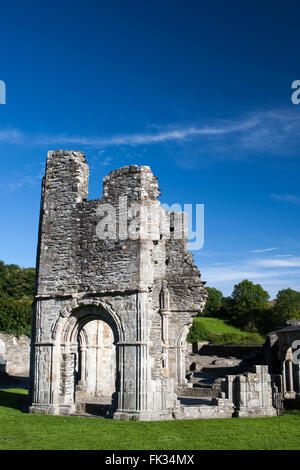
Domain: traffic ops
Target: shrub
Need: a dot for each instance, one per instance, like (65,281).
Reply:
(16,296)
(15,315)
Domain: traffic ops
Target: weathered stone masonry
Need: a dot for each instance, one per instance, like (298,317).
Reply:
(111,316)
(14,354)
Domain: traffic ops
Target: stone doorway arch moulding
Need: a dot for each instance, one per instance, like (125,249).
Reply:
(76,352)
(53,381)
(181,348)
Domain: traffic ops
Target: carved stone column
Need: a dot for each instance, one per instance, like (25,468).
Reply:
(133,358)
(291,377)
(284,377)
(165,313)
(43,379)
(68,371)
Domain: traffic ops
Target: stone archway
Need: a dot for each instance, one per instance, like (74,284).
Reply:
(181,345)
(89,371)
(290,374)
(96,362)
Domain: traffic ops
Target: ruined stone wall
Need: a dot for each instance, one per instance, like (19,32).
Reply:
(252,393)
(14,354)
(73,258)
(140,277)
(287,353)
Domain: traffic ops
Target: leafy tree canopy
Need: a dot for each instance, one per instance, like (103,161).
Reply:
(16,282)
(287,304)
(16,296)
(213,303)
(249,295)
(249,302)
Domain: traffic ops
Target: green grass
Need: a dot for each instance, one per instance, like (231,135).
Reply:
(19,431)
(220,327)
(219,331)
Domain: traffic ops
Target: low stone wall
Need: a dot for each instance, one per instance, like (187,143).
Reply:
(219,409)
(252,394)
(14,354)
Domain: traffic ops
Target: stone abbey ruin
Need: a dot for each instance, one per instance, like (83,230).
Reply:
(112,312)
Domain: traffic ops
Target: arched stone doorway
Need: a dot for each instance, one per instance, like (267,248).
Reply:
(181,345)
(96,362)
(89,371)
(290,374)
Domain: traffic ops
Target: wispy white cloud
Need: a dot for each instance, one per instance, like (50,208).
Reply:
(176,134)
(272,272)
(264,250)
(293,262)
(106,161)
(272,277)
(14,185)
(238,273)
(17,181)
(274,132)
(283,256)
(11,136)
(277,132)
(290,198)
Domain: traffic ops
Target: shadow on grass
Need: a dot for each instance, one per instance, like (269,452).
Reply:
(13,400)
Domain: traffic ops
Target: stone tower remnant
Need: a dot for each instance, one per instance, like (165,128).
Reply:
(114,299)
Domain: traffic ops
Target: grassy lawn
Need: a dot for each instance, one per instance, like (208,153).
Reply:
(220,331)
(220,327)
(25,431)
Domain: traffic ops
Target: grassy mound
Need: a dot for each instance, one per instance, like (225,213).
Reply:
(218,331)
(21,431)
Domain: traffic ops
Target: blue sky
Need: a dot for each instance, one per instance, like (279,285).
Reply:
(200,91)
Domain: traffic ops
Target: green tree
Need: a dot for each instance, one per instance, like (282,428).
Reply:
(227,308)
(250,303)
(268,320)
(16,296)
(213,303)
(2,275)
(15,315)
(16,282)
(287,305)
